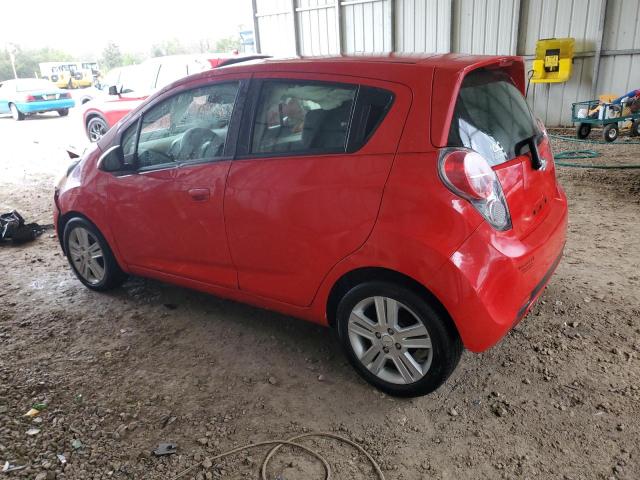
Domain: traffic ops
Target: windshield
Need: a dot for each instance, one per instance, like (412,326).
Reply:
(139,78)
(29,84)
(491,116)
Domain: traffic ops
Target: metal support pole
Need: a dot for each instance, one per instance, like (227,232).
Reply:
(515,28)
(339,27)
(296,27)
(596,59)
(392,14)
(256,27)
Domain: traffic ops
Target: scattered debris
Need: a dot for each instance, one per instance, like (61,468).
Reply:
(168,420)
(77,444)
(11,468)
(165,449)
(14,228)
(272,380)
(35,410)
(62,458)
(33,431)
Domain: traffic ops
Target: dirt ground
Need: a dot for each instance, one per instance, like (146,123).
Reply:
(559,398)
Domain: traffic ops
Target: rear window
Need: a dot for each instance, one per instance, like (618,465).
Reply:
(30,84)
(491,116)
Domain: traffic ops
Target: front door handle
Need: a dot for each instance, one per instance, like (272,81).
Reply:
(199,194)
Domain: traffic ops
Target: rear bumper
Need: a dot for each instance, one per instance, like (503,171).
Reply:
(497,279)
(46,105)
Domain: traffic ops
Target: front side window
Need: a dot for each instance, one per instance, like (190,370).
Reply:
(189,126)
(298,117)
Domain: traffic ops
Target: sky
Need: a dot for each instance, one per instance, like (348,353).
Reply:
(85,27)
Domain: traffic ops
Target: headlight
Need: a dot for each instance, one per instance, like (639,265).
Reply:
(62,176)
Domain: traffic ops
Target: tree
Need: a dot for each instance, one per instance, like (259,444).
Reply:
(172,46)
(111,57)
(228,44)
(27,61)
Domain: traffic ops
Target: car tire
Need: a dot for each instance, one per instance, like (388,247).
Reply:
(635,128)
(583,130)
(610,132)
(394,366)
(96,128)
(90,256)
(16,113)
(63,112)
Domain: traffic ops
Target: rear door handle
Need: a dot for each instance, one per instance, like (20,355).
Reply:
(199,194)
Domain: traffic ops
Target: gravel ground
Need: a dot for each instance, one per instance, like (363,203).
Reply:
(150,362)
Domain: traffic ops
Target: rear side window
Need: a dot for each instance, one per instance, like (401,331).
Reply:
(491,117)
(298,116)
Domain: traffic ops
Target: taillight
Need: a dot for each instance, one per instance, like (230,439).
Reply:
(29,98)
(468,174)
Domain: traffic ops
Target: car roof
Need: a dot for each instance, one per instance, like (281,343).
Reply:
(442,60)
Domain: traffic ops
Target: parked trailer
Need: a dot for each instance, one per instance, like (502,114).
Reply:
(609,116)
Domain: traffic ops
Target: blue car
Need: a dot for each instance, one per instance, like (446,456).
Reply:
(25,96)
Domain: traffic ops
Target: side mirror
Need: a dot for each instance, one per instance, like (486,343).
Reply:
(113,90)
(112,160)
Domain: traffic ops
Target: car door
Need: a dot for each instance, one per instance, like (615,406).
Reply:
(305,189)
(5,93)
(167,217)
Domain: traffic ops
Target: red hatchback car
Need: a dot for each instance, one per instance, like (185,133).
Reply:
(408,202)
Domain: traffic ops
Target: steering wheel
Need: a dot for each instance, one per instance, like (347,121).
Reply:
(191,144)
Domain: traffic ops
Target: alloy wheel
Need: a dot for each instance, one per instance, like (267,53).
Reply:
(390,340)
(96,131)
(86,255)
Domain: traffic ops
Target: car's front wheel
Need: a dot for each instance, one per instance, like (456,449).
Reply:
(63,112)
(396,340)
(15,113)
(90,256)
(96,128)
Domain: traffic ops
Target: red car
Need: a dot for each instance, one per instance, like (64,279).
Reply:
(128,86)
(410,203)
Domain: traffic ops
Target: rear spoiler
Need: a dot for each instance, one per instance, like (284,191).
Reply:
(234,60)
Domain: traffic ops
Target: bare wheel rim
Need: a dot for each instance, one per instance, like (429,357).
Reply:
(390,340)
(86,255)
(14,112)
(96,131)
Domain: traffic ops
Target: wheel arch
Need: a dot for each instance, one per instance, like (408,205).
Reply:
(93,114)
(366,274)
(64,219)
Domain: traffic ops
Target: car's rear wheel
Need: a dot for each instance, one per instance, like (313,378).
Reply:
(15,113)
(90,256)
(96,128)
(63,112)
(396,340)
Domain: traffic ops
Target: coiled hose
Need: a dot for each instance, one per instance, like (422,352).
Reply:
(560,157)
(292,442)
